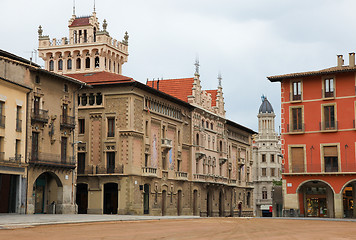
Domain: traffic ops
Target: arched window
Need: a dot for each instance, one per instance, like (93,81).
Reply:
(97,62)
(51,65)
(69,64)
(197,139)
(212,126)
(75,36)
(221,146)
(202,123)
(114,66)
(109,65)
(87,62)
(60,64)
(78,63)
(118,68)
(94,34)
(207,124)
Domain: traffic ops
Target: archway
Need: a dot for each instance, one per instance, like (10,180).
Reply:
(349,196)
(209,204)
(164,202)
(110,198)
(146,199)
(48,192)
(179,203)
(316,199)
(82,198)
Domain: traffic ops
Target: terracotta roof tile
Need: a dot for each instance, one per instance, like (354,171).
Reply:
(213,94)
(84,21)
(179,88)
(100,78)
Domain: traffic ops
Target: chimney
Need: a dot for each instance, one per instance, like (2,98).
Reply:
(153,83)
(352,59)
(340,60)
(158,84)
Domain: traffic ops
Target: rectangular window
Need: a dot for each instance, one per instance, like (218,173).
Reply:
(297,154)
(110,165)
(263,157)
(81,123)
(36,105)
(146,160)
(273,172)
(331,159)
(264,172)
(64,148)
(329,118)
(111,127)
(297,121)
(2,152)
(18,119)
(296,91)
(2,114)
(329,87)
(81,163)
(18,150)
(272,157)
(34,150)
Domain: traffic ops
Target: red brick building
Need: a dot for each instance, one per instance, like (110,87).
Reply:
(318,140)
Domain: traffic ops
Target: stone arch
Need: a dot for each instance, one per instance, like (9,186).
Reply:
(348,194)
(47,193)
(315,198)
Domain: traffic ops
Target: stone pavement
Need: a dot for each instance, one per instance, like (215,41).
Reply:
(10,221)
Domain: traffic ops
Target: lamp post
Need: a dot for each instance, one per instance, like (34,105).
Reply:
(346,146)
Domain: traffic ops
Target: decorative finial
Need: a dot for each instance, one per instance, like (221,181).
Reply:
(73,7)
(40,31)
(263,97)
(94,5)
(104,25)
(196,66)
(219,78)
(126,39)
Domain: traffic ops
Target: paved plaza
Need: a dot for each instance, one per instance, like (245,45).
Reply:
(170,227)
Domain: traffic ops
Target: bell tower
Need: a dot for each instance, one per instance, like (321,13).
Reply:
(87,49)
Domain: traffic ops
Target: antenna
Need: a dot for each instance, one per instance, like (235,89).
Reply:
(73,7)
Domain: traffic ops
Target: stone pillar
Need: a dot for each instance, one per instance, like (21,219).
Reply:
(338,206)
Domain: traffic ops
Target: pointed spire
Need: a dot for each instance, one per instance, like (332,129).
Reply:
(94,6)
(73,7)
(197,66)
(219,78)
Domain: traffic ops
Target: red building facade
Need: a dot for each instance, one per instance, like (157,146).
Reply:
(318,141)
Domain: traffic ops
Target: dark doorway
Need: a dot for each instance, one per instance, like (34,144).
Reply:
(221,204)
(40,186)
(179,203)
(164,202)
(8,193)
(110,198)
(82,198)
(81,163)
(146,199)
(208,202)
(195,202)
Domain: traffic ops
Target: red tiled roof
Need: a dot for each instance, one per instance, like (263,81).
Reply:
(84,21)
(179,88)
(213,94)
(100,78)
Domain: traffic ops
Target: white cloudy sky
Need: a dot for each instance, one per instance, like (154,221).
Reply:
(245,40)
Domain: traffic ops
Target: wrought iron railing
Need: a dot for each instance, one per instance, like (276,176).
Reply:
(39,115)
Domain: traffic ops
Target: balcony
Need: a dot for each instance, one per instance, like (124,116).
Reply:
(326,94)
(39,115)
(2,121)
(297,128)
(12,160)
(241,161)
(166,143)
(181,175)
(18,125)
(110,170)
(199,177)
(67,122)
(232,182)
(199,152)
(331,126)
(149,172)
(222,157)
(52,160)
(295,97)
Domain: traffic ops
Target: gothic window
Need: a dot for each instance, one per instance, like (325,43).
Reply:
(99,99)
(87,62)
(91,99)
(60,64)
(69,64)
(85,36)
(94,34)
(75,36)
(51,65)
(78,63)
(96,62)
(109,65)
(114,66)
(118,68)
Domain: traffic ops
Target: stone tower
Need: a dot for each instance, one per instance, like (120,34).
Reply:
(87,49)
(267,162)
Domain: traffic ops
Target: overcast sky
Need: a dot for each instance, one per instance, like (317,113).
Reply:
(244,40)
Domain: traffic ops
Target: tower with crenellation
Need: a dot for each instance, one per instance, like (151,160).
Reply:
(87,49)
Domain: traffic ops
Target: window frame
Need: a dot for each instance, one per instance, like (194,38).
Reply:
(296,87)
(323,126)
